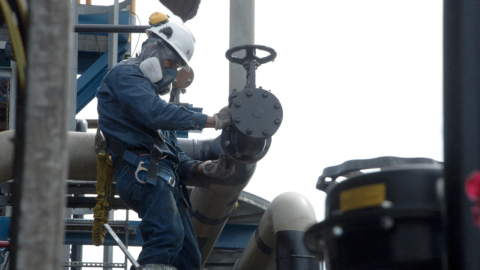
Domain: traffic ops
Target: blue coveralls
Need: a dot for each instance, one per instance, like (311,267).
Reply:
(129,114)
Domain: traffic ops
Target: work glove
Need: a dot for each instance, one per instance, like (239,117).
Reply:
(221,168)
(222,118)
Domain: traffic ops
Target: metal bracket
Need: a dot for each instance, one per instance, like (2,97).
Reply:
(122,246)
(93,264)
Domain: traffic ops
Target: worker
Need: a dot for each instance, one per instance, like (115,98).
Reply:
(149,165)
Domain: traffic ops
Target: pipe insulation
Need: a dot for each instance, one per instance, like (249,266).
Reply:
(213,200)
(279,236)
(82,161)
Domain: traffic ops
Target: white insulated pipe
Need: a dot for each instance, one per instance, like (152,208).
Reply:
(82,163)
(288,212)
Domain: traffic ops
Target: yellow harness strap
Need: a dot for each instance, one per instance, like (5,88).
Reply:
(104,187)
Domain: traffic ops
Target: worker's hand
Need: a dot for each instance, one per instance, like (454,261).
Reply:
(222,118)
(221,168)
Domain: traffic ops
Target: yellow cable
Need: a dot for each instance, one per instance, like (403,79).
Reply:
(23,8)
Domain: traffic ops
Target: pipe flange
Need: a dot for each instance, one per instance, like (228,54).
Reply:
(256,113)
(229,148)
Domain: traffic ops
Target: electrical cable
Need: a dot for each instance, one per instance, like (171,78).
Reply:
(139,33)
(98,46)
(23,9)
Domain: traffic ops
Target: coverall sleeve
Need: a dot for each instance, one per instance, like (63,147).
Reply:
(138,99)
(185,161)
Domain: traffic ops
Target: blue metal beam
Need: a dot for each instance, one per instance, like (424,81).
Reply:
(91,79)
(234,236)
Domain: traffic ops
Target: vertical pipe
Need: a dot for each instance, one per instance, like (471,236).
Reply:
(43,155)
(113,37)
(127,219)
(72,90)
(242,31)
(461,128)
(108,250)
(12,102)
(72,252)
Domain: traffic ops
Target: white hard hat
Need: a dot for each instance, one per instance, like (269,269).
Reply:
(178,37)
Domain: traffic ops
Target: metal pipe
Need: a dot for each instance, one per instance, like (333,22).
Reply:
(113,37)
(282,226)
(213,200)
(82,162)
(462,128)
(72,90)
(41,185)
(242,31)
(4,244)
(102,28)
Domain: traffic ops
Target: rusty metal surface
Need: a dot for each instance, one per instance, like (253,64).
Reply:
(184,79)
(185,9)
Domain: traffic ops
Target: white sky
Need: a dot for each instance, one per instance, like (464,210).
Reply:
(356,79)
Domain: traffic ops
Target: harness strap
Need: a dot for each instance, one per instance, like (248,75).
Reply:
(156,154)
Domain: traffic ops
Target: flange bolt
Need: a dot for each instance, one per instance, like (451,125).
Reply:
(277,121)
(249,131)
(277,106)
(249,93)
(238,103)
(265,132)
(265,94)
(227,143)
(238,120)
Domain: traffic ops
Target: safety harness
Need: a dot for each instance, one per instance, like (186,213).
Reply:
(146,172)
(142,161)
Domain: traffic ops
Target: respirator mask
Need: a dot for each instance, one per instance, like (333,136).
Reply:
(152,56)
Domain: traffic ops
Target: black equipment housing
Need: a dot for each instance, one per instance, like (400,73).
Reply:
(402,230)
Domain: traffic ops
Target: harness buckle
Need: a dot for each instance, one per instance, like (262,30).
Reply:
(158,152)
(139,169)
(171,182)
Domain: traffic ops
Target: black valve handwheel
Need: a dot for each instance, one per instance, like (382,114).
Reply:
(250,54)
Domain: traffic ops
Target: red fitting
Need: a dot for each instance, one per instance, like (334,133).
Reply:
(4,244)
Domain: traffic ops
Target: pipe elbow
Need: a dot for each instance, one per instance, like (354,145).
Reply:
(280,232)
(290,211)
(210,150)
